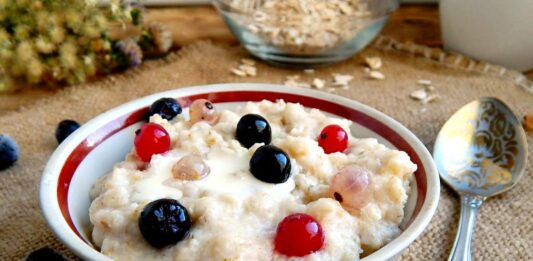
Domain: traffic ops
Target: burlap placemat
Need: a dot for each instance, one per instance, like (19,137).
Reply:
(504,229)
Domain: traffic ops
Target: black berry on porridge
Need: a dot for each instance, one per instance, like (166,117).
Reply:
(270,164)
(164,222)
(167,108)
(252,129)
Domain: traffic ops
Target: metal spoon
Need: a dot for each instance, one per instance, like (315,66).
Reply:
(480,151)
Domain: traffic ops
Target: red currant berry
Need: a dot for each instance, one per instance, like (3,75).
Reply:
(333,138)
(298,235)
(151,139)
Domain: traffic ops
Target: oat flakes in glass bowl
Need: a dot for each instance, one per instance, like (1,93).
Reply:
(305,32)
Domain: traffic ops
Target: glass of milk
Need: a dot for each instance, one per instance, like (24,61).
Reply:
(496,31)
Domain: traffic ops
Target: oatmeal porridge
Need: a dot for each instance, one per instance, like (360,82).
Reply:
(241,185)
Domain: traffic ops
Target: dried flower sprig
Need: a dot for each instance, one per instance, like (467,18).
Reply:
(127,11)
(66,41)
(155,39)
(50,40)
(126,53)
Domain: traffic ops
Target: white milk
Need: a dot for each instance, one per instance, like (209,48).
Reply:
(497,31)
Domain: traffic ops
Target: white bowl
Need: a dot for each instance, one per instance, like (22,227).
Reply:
(93,149)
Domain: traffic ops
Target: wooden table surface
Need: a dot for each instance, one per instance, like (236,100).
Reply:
(417,23)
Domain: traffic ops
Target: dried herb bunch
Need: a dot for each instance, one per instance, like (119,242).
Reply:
(60,42)
(51,40)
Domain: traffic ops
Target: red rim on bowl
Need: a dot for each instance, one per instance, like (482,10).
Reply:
(96,137)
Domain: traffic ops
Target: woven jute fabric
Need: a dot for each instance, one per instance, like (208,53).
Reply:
(504,230)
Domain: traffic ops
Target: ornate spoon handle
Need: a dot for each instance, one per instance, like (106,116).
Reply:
(463,240)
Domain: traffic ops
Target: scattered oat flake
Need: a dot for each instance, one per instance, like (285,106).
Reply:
(253,28)
(246,68)
(424,82)
(376,75)
(430,88)
(301,30)
(249,70)
(309,71)
(341,79)
(373,63)
(330,90)
(238,72)
(247,61)
(528,122)
(346,8)
(293,77)
(419,95)
(292,81)
(430,98)
(303,85)
(319,83)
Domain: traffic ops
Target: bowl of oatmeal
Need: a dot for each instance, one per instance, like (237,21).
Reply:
(305,33)
(235,172)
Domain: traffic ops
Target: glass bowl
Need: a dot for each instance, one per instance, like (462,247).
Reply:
(305,33)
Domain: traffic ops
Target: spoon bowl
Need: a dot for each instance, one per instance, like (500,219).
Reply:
(480,151)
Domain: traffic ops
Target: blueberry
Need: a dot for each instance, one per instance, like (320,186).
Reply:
(164,222)
(45,254)
(168,108)
(9,152)
(65,128)
(252,129)
(270,164)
